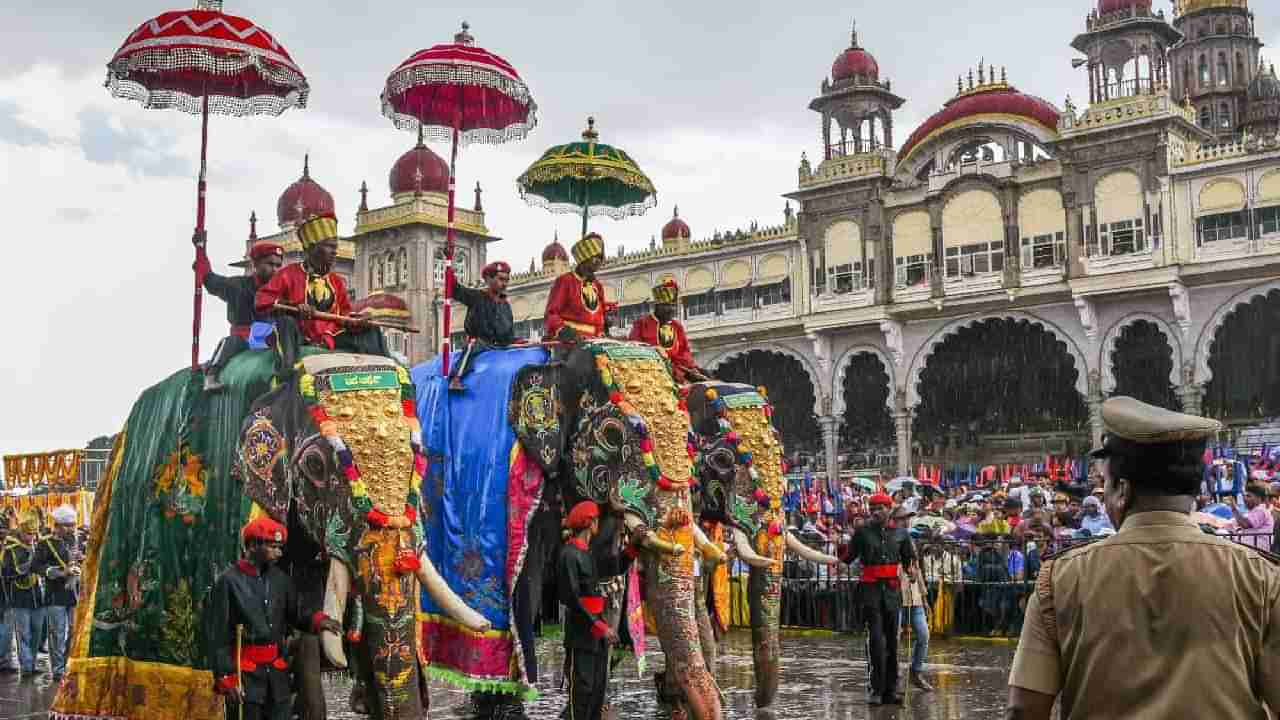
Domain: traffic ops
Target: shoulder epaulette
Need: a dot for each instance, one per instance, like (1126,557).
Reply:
(1056,554)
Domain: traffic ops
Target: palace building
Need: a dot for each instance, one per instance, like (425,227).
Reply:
(973,292)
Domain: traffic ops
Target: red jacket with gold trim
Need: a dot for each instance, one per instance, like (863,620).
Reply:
(668,336)
(577,303)
(293,285)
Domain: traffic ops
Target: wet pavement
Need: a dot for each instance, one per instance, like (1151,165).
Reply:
(823,678)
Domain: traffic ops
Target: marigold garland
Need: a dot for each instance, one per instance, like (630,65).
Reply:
(346,461)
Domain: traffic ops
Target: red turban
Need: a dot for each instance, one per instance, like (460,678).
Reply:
(265,529)
(495,267)
(265,249)
(880,499)
(581,515)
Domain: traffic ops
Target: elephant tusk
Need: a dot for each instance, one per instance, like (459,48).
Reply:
(444,596)
(747,553)
(807,553)
(650,539)
(336,590)
(709,550)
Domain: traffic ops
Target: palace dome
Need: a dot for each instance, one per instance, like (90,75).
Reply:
(419,170)
(855,62)
(554,251)
(675,228)
(303,199)
(1266,86)
(1106,7)
(1003,101)
(1195,6)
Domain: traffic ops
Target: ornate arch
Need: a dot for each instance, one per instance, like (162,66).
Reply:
(1203,374)
(1107,366)
(838,406)
(819,391)
(926,350)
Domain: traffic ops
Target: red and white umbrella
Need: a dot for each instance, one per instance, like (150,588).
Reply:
(203,61)
(465,94)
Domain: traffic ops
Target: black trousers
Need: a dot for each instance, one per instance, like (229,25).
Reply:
(227,348)
(289,339)
(882,648)
(588,676)
(259,711)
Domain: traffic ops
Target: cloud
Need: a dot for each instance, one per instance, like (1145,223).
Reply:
(73,215)
(14,130)
(104,140)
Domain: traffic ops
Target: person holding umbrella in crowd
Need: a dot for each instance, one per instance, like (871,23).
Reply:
(1131,626)
(882,550)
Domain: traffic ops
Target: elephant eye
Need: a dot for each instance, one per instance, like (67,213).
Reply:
(314,465)
(721,460)
(610,435)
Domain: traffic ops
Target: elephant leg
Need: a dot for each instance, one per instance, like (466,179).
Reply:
(678,632)
(309,703)
(359,700)
(766,649)
(705,634)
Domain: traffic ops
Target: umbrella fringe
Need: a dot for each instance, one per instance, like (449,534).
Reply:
(567,208)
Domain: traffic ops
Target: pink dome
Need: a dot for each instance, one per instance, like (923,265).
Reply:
(303,199)
(1106,7)
(419,170)
(675,228)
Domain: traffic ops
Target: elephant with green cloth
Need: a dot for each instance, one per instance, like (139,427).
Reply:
(740,467)
(335,453)
(602,421)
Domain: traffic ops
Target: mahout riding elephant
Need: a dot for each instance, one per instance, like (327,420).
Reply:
(740,466)
(335,452)
(601,421)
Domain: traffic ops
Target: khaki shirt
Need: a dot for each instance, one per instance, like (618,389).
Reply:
(1157,621)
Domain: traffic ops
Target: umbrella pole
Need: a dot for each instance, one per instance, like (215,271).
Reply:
(197,298)
(448,253)
(586,206)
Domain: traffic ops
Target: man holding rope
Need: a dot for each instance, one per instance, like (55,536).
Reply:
(319,308)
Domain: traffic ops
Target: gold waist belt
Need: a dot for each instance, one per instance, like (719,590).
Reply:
(582,328)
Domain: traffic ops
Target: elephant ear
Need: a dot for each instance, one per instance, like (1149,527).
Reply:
(263,456)
(608,466)
(538,415)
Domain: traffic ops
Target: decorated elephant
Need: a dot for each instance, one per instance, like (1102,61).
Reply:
(336,451)
(530,436)
(740,465)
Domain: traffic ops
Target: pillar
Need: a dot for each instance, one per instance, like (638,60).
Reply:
(831,444)
(1192,396)
(1095,400)
(902,424)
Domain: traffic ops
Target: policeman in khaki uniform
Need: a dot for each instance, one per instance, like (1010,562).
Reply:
(1159,620)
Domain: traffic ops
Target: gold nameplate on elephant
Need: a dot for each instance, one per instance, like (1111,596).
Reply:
(372,425)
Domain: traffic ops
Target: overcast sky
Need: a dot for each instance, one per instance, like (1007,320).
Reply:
(709,97)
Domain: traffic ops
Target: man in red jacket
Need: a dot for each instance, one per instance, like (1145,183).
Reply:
(661,329)
(576,306)
(311,286)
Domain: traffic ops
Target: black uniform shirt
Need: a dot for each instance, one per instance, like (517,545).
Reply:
(880,545)
(578,577)
(237,292)
(268,607)
(56,552)
(17,566)
(489,319)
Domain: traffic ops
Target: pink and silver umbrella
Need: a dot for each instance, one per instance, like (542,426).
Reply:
(465,94)
(201,61)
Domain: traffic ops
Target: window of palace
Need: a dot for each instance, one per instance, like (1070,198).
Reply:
(700,304)
(628,314)
(397,341)
(1224,71)
(1268,220)
(1224,116)
(1043,251)
(1122,238)
(850,277)
(459,266)
(843,248)
(739,299)
(1204,72)
(975,259)
(774,294)
(817,274)
(1223,226)
(402,267)
(1206,118)
(912,270)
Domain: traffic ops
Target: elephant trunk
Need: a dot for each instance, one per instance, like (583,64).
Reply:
(671,599)
(336,590)
(807,553)
(766,649)
(448,601)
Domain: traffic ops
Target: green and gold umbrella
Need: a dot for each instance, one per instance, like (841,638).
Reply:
(590,178)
